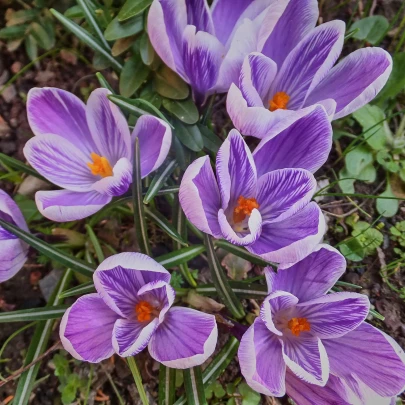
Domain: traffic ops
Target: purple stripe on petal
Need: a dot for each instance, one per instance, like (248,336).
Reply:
(185,339)
(10,212)
(199,15)
(13,255)
(65,205)
(86,329)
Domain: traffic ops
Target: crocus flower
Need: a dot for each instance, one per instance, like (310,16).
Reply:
(311,335)
(271,89)
(13,251)
(87,150)
(133,309)
(270,214)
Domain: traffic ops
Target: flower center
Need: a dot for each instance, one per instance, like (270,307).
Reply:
(144,311)
(298,325)
(100,166)
(245,207)
(279,101)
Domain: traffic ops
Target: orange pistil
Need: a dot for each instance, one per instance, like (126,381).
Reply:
(100,166)
(279,101)
(245,207)
(143,311)
(298,325)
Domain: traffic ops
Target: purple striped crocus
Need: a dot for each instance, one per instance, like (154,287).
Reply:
(13,251)
(274,85)
(133,309)
(87,150)
(270,213)
(312,337)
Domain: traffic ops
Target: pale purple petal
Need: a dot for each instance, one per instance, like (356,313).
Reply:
(199,196)
(371,356)
(310,278)
(261,361)
(58,112)
(185,339)
(65,205)
(60,162)
(119,277)
(305,144)
(355,81)
(86,329)
(13,256)
(108,127)
(199,15)
(293,239)
(282,193)
(155,138)
(10,212)
(309,62)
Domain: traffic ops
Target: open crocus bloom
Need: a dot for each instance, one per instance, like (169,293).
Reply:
(271,215)
(13,251)
(270,93)
(87,150)
(310,335)
(133,309)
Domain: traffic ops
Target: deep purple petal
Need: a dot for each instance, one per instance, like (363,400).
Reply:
(305,144)
(199,15)
(355,81)
(282,193)
(310,278)
(199,196)
(65,205)
(261,361)
(86,329)
(185,339)
(155,138)
(371,356)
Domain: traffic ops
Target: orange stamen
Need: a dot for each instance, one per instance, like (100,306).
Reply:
(279,101)
(245,207)
(143,311)
(298,325)
(100,166)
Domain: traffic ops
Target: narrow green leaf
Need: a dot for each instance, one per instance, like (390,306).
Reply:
(42,37)
(194,386)
(169,84)
(146,50)
(133,74)
(95,242)
(211,141)
(13,32)
(189,135)
(221,282)
(184,110)
(22,16)
(19,166)
(82,289)
(87,38)
(49,251)
(31,47)
(241,288)
(116,29)
(131,8)
(138,379)
(74,12)
(184,255)
(167,387)
(103,82)
(377,314)
(33,314)
(159,180)
(152,109)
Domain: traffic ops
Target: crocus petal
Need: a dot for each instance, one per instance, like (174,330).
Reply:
(13,255)
(297,19)
(306,357)
(202,56)
(309,62)
(334,315)
(199,196)
(130,337)
(86,329)
(60,162)
(119,182)
(310,278)
(185,339)
(282,193)
(261,361)
(155,138)
(236,170)
(10,212)
(65,205)
(108,127)
(371,356)
(305,144)
(119,277)
(355,81)
(293,239)
(199,15)
(58,112)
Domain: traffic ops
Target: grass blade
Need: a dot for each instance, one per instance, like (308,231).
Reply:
(177,257)
(194,386)
(95,242)
(138,380)
(103,82)
(159,180)
(241,289)
(20,166)
(33,314)
(81,289)
(167,387)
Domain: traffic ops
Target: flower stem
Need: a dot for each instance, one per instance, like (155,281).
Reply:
(138,380)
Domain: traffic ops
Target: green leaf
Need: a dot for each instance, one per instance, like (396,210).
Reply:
(369,237)
(74,12)
(386,207)
(370,29)
(41,36)
(346,185)
(116,29)
(169,84)
(82,289)
(352,249)
(28,208)
(31,47)
(249,397)
(19,166)
(151,96)
(242,289)
(13,32)
(22,16)
(180,256)
(194,386)
(167,387)
(133,74)
(211,141)
(103,82)
(146,49)
(131,8)
(185,111)
(189,135)
(357,159)
(33,314)
(159,180)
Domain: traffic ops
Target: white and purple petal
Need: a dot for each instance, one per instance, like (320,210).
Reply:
(199,15)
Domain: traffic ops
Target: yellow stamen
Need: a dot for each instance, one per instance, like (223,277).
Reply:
(298,325)
(279,101)
(143,311)
(100,166)
(245,207)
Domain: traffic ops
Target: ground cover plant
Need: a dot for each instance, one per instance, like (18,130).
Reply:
(201,202)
